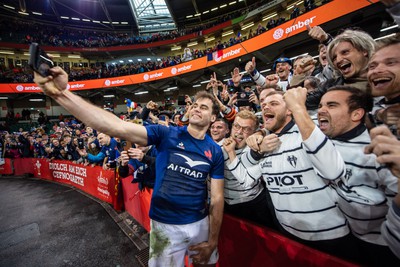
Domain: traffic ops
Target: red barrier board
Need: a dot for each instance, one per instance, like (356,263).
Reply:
(7,167)
(22,166)
(136,202)
(244,244)
(92,180)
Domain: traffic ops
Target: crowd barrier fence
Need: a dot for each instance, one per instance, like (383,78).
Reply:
(241,243)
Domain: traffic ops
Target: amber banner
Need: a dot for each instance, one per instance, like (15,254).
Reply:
(318,16)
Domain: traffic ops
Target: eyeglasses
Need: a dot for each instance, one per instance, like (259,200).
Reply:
(245,129)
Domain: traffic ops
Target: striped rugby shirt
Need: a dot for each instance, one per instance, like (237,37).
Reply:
(367,188)
(297,177)
(236,192)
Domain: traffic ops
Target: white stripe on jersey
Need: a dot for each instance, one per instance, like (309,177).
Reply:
(391,230)
(366,189)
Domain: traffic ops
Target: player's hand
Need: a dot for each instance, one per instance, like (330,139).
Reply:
(54,84)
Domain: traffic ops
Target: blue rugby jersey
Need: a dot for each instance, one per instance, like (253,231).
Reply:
(183,165)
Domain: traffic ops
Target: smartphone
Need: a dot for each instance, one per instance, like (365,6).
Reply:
(39,61)
(81,144)
(243,99)
(162,117)
(181,100)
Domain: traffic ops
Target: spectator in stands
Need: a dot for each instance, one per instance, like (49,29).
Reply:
(309,5)
(107,156)
(17,116)
(311,83)
(271,24)
(219,129)
(25,145)
(296,12)
(11,149)
(290,160)
(384,79)
(186,158)
(280,21)
(141,163)
(367,187)
(70,148)
(247,202)
(260,29)
(387,149)
(282,67)
(187,55)
(54,151)
(348,53)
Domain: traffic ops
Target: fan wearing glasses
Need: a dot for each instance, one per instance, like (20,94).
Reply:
(247,202)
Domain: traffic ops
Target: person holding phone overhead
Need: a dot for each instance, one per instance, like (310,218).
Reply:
(182,219)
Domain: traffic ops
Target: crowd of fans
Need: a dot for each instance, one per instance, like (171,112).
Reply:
(304,149)
(68,37)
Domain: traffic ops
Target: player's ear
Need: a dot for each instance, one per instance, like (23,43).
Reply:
(213,118)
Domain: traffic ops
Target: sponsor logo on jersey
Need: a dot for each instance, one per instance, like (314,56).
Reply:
(286,180)
(181,145)
(266,164)
(348,174)
(186,171)
(292,160)
(208,154)
(190,162)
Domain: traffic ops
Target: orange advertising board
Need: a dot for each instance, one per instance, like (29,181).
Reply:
(318,16)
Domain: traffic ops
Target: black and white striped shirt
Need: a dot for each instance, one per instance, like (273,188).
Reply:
(297,176)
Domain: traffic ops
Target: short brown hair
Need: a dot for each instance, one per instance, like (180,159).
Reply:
(205,94)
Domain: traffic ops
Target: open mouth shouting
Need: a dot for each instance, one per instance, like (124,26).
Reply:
(380,83)
(323,123)
(268,117)
(345,68)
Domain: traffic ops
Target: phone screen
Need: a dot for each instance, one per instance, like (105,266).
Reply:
(243,99)
(39,60)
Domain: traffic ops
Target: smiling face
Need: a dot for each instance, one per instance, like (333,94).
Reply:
(334,117)
(384,72)
(103,139)
(348,60)
(275,113)
(218,130)
(241,129)
(201,113)
(283,70)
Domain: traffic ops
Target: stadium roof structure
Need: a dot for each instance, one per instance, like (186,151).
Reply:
(139,16)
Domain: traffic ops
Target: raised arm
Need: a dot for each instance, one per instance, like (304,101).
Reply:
(387,149)
(295,100)
(55,86)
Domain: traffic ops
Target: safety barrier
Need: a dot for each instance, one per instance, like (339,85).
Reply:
(241,243)
(92,180)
